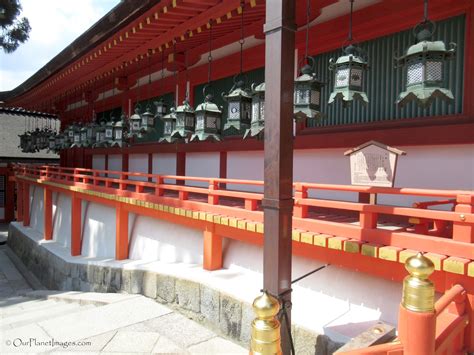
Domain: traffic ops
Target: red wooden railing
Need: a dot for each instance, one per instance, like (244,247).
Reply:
(348,220)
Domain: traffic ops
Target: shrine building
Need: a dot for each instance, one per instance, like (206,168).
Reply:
(224,147)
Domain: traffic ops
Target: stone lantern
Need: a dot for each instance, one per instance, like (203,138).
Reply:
(239,108)
(208,121)
(258,111)
(349,76)
(307,94)
(185,117)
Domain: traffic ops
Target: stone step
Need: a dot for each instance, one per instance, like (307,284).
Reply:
(25,305)
(57,310)
(80,297)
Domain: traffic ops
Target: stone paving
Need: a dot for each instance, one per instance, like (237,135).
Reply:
(94,322)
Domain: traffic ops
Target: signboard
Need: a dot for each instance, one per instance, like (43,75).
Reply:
(373,164)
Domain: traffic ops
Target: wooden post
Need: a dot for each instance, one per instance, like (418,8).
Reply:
(212,250)
(417,317)
(278,200)
(26,204)
(464,232)
(150,166)
(180,166)
(223,169)
(19,201)
(121,232)
(76,221)
(48,213)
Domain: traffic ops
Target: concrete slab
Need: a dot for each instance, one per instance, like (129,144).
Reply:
(166,346)
(82,298)
(92,344)
(180,330)
(27,339)
(216,346)
(103,319)
(127,342)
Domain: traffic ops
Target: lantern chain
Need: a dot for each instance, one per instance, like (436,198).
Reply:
(209,57)
(426,11)
(308,14)
(350,21)
(186,94)
(149,77)
(242,38)
(175,73)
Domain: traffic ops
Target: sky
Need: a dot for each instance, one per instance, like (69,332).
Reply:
(55,24)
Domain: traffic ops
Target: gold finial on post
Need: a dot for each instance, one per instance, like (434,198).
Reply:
(265,327)
(418,290)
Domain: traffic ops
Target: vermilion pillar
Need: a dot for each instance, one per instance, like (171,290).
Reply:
(19,201)
(26,204)
(462,231)
(212,250)
(48,213)
(76,228)
(121,232)
(180,166)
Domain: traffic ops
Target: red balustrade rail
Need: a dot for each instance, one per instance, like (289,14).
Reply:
(360,222)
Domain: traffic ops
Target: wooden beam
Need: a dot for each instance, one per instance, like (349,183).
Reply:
(278,199)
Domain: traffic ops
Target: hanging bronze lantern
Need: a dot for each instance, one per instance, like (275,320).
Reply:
(135,122)
(239,107)
(307,94)
(91,133)
(257,124)
(169,125)
(349,76)
(76,134)
(100,135)
(109,131)
(184,121)
(208,120)
(52,143)
(148,121)
(119,133)
(161,108)
(423,64)
(349,73)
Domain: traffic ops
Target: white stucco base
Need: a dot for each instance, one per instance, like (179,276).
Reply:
(335,301)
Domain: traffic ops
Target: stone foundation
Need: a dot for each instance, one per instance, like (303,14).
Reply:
(217,310)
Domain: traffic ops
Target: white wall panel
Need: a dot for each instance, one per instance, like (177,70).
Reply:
(164,164)
(246,166)
(62,220)
(99,231)
(98,162)
(37,208)
(202,165)
(115,163)
(138,163)
(154,240)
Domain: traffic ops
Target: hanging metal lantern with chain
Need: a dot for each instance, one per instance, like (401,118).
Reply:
(349,73)
(239,98)
(119,133)
(208,120)
(307,90)
(185,121)
(135,122)
(169,125)
(239,106)
(258,112)
(423,63)
(307,94)
(100,135)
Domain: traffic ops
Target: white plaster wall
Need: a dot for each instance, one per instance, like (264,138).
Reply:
(431,167)
(333,301)
(98,237)
(164,164)
(62,220)
(245,166)
(98,162)
(37,208)
(153,240)
(202,165)
(115,164)
(138,163)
